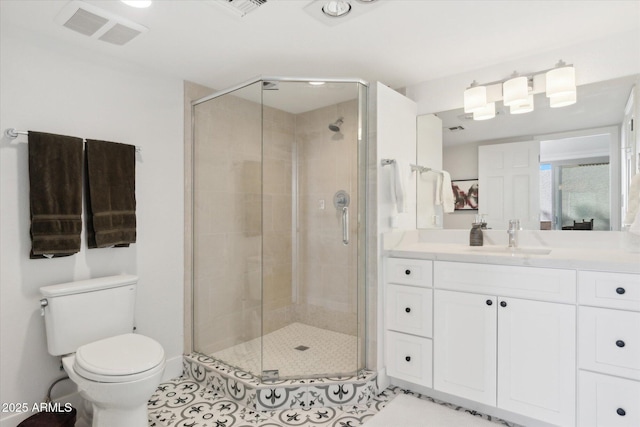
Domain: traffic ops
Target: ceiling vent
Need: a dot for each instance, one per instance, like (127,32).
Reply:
(239,8)
(99,24)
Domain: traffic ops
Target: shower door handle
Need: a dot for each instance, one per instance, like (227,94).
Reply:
(341,201)
(345,225)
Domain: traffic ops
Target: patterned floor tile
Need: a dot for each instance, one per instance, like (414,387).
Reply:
(182,402)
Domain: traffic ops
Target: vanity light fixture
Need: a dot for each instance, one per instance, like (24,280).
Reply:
(486,113)
(336,8)
(525,107)
(515,91)
(562,100)
(560,80)
(475,98)
(559,84)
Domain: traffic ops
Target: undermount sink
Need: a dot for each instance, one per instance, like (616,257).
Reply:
(513,251)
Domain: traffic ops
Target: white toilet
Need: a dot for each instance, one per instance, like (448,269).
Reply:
(90,323)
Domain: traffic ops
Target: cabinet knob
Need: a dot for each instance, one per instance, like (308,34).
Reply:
(408,309)
(503,303)
(407,272)
(620,291)
(620,343)
(489,302)
(408,358)
(621,412)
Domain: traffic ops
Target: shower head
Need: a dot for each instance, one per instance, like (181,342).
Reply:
(335,126)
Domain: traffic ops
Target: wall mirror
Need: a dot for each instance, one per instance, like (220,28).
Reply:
(577,143)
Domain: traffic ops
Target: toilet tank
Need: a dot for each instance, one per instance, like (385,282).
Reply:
(77,313)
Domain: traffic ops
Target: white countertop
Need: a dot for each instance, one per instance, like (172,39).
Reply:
(597,252)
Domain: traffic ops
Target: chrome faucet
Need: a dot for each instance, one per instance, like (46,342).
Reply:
(514,226)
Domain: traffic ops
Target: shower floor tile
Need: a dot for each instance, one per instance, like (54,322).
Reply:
(296,351)
(183,402)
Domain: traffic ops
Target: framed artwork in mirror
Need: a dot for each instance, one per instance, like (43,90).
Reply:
(465,192)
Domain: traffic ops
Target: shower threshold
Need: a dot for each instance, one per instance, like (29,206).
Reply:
(303,392)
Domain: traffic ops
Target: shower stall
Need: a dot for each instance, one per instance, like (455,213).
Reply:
(279,196)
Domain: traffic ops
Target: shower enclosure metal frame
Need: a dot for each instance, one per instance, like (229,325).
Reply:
(362,191)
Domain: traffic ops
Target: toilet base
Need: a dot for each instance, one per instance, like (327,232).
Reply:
(116,404)
(130,417)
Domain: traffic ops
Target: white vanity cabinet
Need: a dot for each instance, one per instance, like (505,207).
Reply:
(505,336)
(408,319)
(608,349)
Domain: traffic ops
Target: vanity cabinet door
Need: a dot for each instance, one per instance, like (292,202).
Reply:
(465,345)
(536,359)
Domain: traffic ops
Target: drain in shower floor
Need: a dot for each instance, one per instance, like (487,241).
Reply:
(301,348)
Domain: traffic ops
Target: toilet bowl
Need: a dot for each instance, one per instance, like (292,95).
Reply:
(89,323)
(117,376)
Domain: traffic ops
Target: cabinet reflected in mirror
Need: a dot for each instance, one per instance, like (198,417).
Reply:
(595,131)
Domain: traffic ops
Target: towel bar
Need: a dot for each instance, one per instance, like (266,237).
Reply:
(414,168)
(12,133)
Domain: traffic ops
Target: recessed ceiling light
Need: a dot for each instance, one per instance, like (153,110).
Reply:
(137,3)
(316,83)
(336,8)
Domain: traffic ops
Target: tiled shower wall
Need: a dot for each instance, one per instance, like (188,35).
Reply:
(228,214)
(230,219)
(328,268)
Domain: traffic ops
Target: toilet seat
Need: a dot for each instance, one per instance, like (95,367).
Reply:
(121,358)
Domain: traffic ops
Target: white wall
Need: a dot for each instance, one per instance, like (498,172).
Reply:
(395,138)
(52,88)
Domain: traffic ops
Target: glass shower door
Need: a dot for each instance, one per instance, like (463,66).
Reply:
(227,228)
(312,200)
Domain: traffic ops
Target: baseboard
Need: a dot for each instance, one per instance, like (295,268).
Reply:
(172,370)
(469,404)
(383,380)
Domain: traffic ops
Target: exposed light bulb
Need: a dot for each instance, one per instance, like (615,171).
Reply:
(336,8)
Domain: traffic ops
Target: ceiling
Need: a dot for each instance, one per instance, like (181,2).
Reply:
(396,42)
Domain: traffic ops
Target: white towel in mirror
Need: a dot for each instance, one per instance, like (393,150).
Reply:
(401,172)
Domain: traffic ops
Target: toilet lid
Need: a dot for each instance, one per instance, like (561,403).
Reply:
(119,356)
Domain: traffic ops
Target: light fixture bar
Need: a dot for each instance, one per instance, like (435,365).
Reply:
(517,92)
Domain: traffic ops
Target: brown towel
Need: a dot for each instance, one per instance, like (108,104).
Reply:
(111,194)
(55,194)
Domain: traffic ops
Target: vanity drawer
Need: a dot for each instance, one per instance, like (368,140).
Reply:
(409,358)
(409,309)
(613,290)
(606,401)
(416,272)
(609,341)
(544,284)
